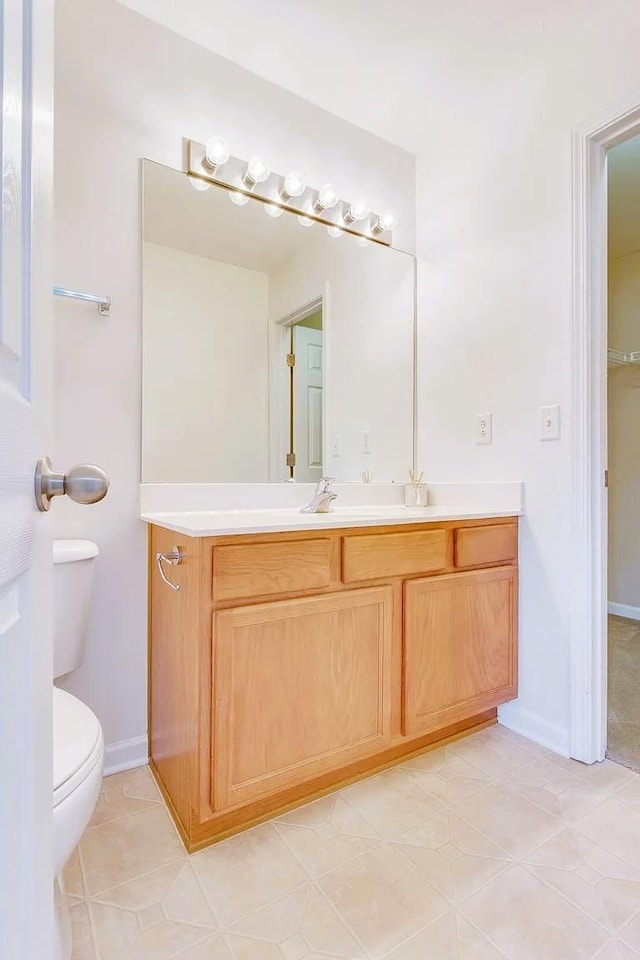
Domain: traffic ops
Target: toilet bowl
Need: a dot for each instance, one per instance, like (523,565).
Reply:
(78,743)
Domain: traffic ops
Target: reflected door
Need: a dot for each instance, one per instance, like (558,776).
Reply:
(307,404)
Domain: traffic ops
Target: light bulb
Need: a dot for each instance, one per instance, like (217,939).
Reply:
(363,241)
(257,171)
(238,198)
(216,151)
(386,222)
(199,185)
(273,210)
(358,210)
(293,186)
(334,232)
(327,197)
(305,221)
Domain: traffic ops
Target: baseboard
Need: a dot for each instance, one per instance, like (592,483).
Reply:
(624,610)
(534,727)
(125,755)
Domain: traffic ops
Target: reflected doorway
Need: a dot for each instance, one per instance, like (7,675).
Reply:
(305,362)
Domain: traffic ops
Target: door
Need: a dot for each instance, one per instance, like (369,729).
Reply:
(460,646)
(307,404)
(301,687)
(26,881)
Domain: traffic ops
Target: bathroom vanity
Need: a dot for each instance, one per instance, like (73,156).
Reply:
(294,660)
(301,651)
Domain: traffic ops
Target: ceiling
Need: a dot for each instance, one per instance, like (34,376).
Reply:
(624,198)
(365,60)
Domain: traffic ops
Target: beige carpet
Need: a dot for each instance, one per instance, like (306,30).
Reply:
(623,742)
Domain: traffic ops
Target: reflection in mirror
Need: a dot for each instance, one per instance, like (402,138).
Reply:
(271,350)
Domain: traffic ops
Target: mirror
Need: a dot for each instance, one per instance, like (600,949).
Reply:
(271,350)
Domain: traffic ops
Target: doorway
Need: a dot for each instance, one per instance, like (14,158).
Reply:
(306,392)
(592,144)
(623,449)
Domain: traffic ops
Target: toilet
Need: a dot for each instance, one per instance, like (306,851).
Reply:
(78,745)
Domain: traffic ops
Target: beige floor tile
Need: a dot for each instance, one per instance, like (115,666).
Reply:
(616,827)
(247,872)
(449,938)
(630,788)
(527,920)
(125,793)
(618,951)
(391,802)
(445,776)
(611,902)
(570,850)
(122,850)
(300,924)
(83,946)
(72,877)
(333,833)
(119,933)
(451,855)
(605,776)
(382,899)
(631,935)
(508,820)
(171,893)
(496,752)
(214,949)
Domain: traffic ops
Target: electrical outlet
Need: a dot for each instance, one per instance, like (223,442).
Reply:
(336,446)
(366,442)
(484,428)
(550,423)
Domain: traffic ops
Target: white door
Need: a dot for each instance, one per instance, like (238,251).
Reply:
(307,404)
(26,780)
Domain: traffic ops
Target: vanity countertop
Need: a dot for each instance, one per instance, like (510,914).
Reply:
(221,523)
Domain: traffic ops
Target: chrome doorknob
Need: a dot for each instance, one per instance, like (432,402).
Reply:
(84,483)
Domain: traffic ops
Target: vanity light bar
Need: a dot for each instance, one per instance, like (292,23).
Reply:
(213,163)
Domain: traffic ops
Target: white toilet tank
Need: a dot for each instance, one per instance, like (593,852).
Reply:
(73,571)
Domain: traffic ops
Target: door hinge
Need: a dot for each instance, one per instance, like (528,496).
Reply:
(291,359)
(291,459)
(606,478)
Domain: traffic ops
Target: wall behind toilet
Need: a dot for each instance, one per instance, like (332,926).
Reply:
(127,88)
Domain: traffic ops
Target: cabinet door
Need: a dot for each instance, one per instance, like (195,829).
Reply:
(301,687)
(460,646)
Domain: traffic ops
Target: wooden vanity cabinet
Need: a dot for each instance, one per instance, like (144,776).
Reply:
(288,663)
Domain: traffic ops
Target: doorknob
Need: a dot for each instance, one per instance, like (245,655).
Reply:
(84,483)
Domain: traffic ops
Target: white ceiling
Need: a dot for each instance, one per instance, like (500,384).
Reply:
(376,63)
(624,198)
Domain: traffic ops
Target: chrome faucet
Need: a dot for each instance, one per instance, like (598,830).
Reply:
(322,498)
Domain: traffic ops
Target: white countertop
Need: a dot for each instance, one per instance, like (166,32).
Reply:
(221,523)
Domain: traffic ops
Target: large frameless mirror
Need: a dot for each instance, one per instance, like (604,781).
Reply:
(271,349)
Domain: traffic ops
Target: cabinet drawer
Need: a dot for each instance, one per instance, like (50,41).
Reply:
(393,555)
(265,569)
(477,546)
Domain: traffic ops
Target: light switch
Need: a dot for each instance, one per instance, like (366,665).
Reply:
(550,423)
(366,442)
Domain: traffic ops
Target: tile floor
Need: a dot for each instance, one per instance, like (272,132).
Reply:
(488,849)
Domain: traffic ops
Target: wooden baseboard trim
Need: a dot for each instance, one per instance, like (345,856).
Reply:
(227,824)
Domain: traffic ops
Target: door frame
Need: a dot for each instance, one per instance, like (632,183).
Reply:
(279,400)
(588,614)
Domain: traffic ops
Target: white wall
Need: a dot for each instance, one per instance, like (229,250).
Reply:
(127,88)
(205,370)
(624,433)
(368,343)
(495,302)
